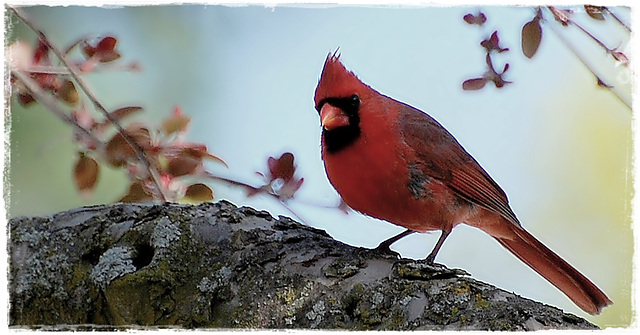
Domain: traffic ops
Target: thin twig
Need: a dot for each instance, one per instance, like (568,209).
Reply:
(253,189)
(584,62)
(568,20)
(81,83)
(617,19)
(52,104)
(45,69)
(591,36)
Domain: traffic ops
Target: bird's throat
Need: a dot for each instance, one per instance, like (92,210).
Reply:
(338,139)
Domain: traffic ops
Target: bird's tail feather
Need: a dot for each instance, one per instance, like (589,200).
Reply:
(557,271)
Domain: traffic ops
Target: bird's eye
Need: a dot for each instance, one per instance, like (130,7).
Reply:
(355,101)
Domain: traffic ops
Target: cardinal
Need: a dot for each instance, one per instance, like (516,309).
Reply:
(393,162)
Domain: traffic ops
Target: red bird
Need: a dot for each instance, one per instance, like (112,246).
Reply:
(393,162)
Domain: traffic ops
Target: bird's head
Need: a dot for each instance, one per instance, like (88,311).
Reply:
(338,99)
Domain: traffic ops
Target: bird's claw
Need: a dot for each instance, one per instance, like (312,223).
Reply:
(431,259)
(385,249)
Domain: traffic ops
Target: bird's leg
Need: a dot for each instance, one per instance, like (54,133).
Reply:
(384,246)
(432,256)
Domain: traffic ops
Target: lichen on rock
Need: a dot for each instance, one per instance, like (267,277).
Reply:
(215,265)
(114,263)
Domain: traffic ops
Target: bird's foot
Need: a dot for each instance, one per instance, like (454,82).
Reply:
(431,259)
(385,250)
(384,247)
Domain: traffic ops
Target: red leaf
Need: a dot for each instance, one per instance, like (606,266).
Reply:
(595,11)
(479,19)
(281,174)
(199,192)
(176,122)
(282,167)
(183,165)
(140,134)
(561,15)
(25,99)
(106,45)
(531,37)
(187,159)
(118,151)
(47,81)
(200,151)
(136,193)
(118,115)
(104,51)
(41,54)
(620,57)
(499,81)
(108,57)
(493,43)
(85,173)
(474,84)
(123,112)
(469,18)
(68,93)
(290,189)
(495,76)
(88,49)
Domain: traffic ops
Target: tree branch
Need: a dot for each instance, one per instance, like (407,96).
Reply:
(618,19)
(584,62)
(565,20)
(53,105)
(94,100)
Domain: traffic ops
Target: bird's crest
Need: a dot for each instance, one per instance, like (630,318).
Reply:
(336,81)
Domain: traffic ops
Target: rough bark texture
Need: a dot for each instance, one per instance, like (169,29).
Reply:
(218,266)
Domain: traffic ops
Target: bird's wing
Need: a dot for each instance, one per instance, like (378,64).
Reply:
(443,158)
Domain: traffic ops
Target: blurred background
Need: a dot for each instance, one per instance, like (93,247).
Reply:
(557,143)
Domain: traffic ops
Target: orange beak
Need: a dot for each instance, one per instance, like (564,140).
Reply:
(332,117)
